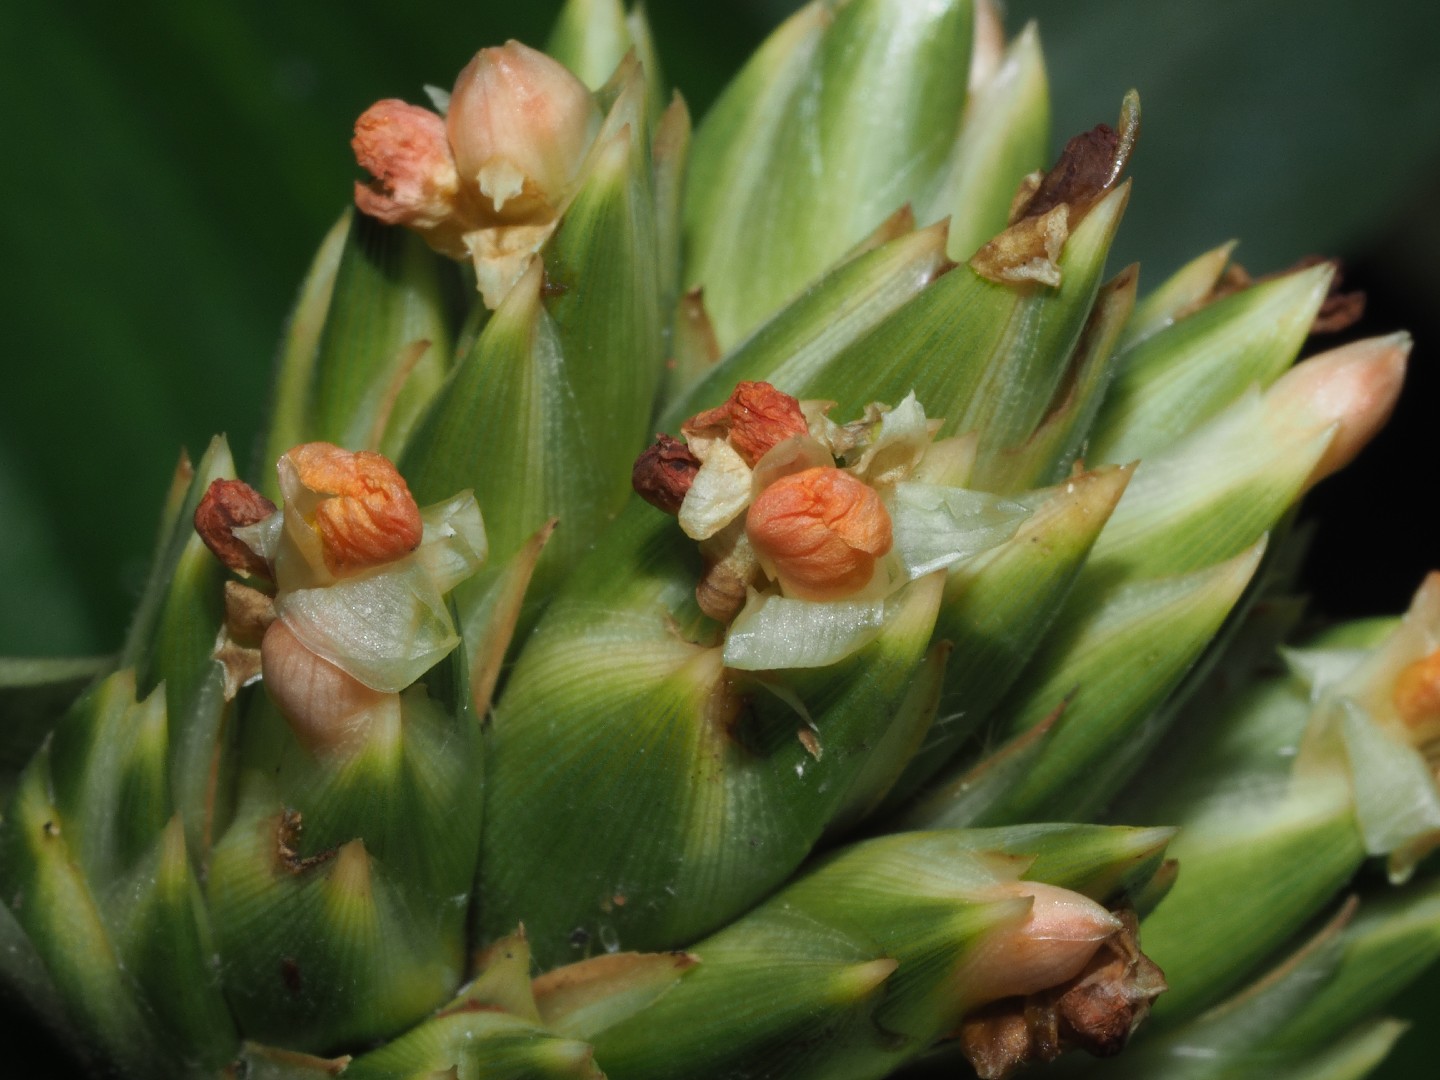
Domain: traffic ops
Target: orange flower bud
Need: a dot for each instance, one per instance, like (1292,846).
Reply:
(404,148)
(366,515)
(755,417)
(819,532)
(226,506)
(1417,694)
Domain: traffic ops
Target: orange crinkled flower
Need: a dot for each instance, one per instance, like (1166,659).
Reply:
(369,516)
(819,533)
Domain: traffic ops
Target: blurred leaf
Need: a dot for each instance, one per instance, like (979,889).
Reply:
(1293,125)
(45,610)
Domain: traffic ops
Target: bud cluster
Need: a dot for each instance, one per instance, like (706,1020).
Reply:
(781,498)
(487,181)
(357,574)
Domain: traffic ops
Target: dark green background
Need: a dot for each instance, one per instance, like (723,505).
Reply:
(169,166)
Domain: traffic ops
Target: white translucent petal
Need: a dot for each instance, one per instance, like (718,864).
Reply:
(298,560)
(721,490)
(777,632)
(824,430)
(386,628)
(1396,801)
(948,461)
(790,456)
(299,499)
(1320,669)
(897,443)
(263,538)
(453,546)
(936,527)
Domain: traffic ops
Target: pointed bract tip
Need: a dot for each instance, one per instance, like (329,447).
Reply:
(1354,387)
(350,871)
(988,48)
(565,1057)
(860,980)
(1145,842)
(172,845)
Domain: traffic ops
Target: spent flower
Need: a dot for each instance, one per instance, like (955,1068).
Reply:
(228,505)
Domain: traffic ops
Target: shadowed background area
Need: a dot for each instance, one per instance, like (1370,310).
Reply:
(172,165)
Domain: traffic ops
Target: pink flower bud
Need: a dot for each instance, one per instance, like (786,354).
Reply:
(1354,387)
(1054,942)
(520,124)
(327,708)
